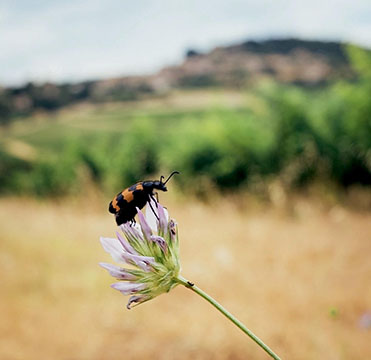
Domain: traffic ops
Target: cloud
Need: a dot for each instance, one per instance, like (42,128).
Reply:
(74,40)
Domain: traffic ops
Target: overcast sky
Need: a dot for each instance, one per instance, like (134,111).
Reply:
(72,40)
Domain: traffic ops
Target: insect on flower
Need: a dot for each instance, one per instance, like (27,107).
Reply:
(124,205)
(151,252)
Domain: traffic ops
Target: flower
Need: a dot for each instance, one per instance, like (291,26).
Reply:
(150,252)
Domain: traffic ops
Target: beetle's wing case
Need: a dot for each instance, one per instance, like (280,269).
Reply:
(113,205)
(127,213)
(125,203)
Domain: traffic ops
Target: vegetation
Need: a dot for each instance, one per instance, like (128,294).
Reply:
(297,134)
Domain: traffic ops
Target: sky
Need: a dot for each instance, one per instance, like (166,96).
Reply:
(75,40)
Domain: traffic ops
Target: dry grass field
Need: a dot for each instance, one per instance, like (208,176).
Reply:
(300,282)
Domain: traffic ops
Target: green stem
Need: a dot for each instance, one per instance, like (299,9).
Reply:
(227,314)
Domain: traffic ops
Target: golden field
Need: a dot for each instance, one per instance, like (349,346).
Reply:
(301,282)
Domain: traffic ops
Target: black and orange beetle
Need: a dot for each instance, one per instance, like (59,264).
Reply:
(124,205)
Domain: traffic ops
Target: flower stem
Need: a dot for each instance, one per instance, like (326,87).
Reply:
(227,314)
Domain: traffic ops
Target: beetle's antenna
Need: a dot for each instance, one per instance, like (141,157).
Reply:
(173,173)
(162,177)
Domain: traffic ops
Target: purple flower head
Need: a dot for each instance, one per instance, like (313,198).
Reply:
(151,255)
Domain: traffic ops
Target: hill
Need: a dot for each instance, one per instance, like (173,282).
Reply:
(288,61)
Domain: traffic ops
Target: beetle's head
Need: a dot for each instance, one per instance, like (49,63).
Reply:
(161,185)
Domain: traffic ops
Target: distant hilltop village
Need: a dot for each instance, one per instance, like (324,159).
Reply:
(293,61)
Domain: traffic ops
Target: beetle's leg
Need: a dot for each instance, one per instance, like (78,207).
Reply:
(153,198)
(153,210)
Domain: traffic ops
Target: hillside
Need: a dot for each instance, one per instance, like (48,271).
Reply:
(306,63)
(287,61)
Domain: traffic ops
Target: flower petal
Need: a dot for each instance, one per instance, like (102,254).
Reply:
(160,242)
(163,219)
(173,230)
(118,272)
(114,248)
(137,299)
(147,231)
(143,262)
(132,232)
(125,244)
(128,288)
(150,216)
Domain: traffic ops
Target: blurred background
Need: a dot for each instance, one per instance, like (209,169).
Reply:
(265,110)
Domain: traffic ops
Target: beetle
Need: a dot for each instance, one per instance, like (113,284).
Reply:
(124,205)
